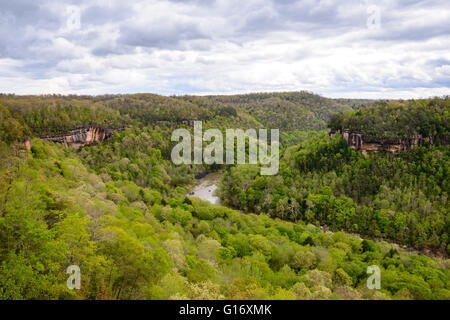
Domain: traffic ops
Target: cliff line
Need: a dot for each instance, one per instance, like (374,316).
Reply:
(82,136)
(357,141)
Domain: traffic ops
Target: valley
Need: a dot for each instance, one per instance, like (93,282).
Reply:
(75,190)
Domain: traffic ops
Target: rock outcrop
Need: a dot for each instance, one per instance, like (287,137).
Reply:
(28,144)
(82,136)
(357,141)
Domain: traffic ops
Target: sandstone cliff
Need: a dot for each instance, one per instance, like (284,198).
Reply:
(82,136)
(357,141)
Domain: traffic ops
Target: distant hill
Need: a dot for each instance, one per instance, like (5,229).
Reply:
(285,110)
(56,114)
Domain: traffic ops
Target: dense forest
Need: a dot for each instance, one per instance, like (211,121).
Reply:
(402,197)
(46,115)
(398,119)
(118,208)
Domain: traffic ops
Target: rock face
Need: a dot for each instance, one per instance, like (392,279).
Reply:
(82,136)
(357,141)
(28,144)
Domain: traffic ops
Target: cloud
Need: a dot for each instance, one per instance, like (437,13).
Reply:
(161,34)
(225,46)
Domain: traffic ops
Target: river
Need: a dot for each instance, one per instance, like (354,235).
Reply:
(206,187)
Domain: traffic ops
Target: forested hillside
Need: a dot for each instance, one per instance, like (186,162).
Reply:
(287,111)
(403,197)
(118,208)
(293,113)
(398,119)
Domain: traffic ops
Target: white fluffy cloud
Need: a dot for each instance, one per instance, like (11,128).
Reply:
(226,46)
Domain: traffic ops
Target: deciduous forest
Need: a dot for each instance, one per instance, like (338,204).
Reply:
(120,210)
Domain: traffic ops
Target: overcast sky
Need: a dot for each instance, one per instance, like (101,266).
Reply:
(337,48)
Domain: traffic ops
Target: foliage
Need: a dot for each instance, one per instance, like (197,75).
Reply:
(118,209)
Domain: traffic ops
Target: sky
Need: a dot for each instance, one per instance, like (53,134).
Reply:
(349,49)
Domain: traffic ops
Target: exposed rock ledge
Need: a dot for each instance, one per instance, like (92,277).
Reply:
(82,136)
(357,141)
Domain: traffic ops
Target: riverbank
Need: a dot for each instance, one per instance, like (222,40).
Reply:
(206,187)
